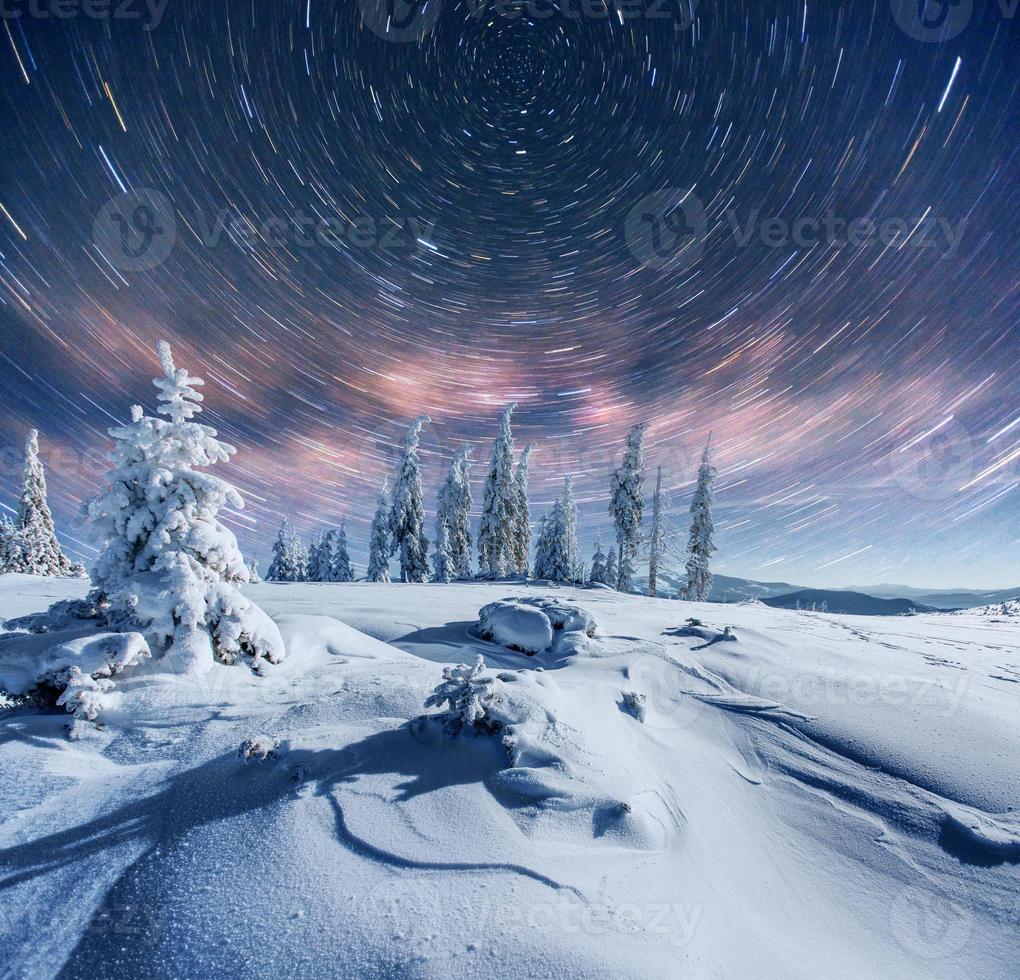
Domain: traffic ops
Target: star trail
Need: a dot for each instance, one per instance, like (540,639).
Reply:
(791,224)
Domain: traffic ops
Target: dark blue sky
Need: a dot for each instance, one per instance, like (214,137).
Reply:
(791,224)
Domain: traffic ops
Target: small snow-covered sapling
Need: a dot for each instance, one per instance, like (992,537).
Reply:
(468,696)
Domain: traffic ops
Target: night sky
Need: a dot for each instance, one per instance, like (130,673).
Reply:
(596,217)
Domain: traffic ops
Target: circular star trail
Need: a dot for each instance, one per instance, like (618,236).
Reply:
(792,225)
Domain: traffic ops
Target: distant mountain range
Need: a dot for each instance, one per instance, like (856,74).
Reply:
(850,603)
(885,599)
(942,598)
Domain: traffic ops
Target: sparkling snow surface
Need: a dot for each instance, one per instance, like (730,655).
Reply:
(827,796)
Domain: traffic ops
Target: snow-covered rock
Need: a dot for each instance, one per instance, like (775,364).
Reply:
(515,626)
(563,615)
(531,624)
(29,661)
(69,668)
(262,748)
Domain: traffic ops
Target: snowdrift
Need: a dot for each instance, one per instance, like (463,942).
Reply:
(823,791)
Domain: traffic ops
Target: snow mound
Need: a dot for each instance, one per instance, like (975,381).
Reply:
(69,669)
(982,838)
(710,634)
(262,748)
(515,626)
(31,661)
(563,615)
(530,625)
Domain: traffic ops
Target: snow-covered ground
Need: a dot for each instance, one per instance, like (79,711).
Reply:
(828,796)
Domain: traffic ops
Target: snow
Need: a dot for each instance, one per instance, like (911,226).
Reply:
(825,796)
(516,626)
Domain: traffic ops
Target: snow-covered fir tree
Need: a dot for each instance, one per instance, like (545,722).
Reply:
(598,562)
(442,561)
(10,552)
(627,503)
(499,506)
(320,557)
(612,572)
(253,571)
(521,542)
(570,549)
(468,696)
(556,561)
(407,513)
(278,562)
(36,538)
(556,551)
(701,545)
(542,547)
(301,556)
(168,568)
(459,514)
(453,511)
(655,541)
(379,541)
(285,565)
(341,569)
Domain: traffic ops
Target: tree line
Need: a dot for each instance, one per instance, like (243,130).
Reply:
(504,542)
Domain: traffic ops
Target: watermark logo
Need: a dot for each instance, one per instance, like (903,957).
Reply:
(929,925)
(400,21)
(807,691)
(138,924)
(681,12)
(665,706)
(937,464)
(932,21)
(136,231)
(666,229)
(150,12)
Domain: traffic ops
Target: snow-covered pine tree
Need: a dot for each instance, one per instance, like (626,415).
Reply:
(407,515)
(556,551)
(37,537)
(570,551)
(168,568)
(442,561)
(468,696)
(541,564)
(499,506)
(320,558)
(379,541)
(701,545)
(627,505)
(612,572)
(459,515)
(253,571)
(342,570)
(598,562)
(283,567)
(453,519)
(10,551)
(300,559)
(557,563)
(521,543)
(655,542)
